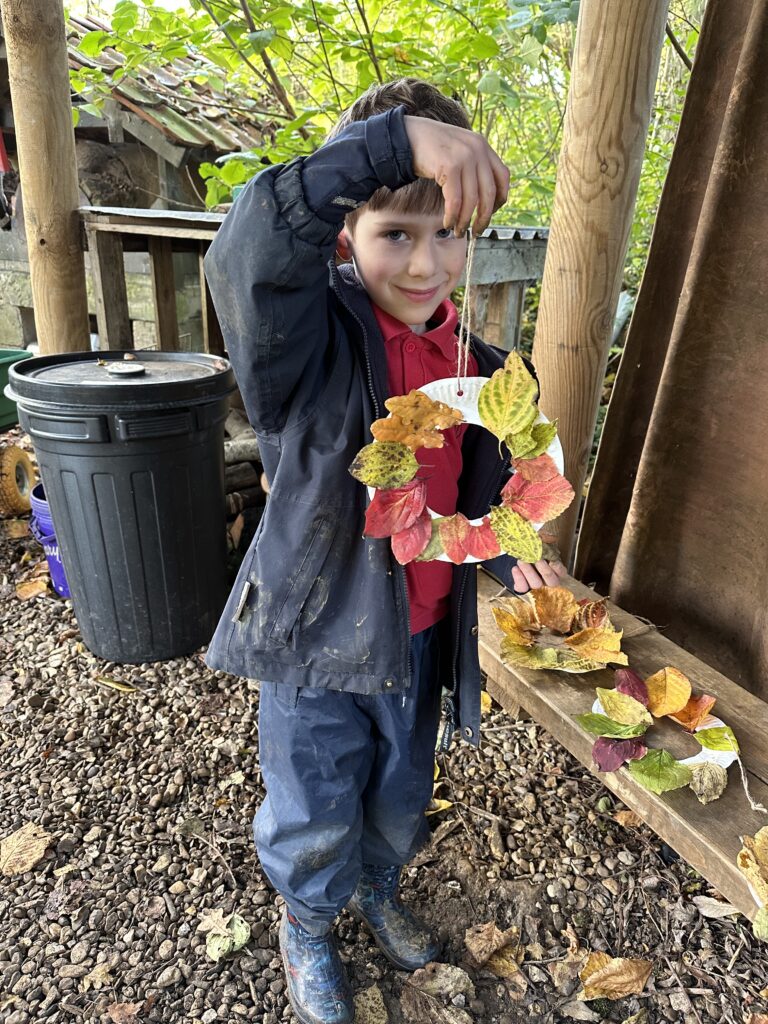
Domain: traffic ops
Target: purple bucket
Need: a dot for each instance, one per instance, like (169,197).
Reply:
(41,528)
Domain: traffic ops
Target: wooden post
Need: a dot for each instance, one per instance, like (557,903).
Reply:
(164,292)
(105,249)
(38,71)
(615,62)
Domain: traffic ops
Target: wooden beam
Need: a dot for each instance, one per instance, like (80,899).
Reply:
(154,138)
(497,313)
(38,72)
(213,339)
(164,292)
(108,272)
(707,837)
(615,62)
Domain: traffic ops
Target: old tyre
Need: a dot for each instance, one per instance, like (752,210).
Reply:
(17,478)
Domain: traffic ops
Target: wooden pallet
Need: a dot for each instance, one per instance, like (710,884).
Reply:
(706,836)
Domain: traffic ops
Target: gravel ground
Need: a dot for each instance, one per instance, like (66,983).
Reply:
(109,915)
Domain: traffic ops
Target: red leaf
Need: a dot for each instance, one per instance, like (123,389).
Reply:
(409,543)
(610,754)
(541,468)
(629,682)
(538,501)
(481,542)
(395,509)
(453,533)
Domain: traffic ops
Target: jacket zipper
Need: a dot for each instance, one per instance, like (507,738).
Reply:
(377,411)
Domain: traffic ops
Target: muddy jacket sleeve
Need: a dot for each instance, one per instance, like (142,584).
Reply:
(268,265)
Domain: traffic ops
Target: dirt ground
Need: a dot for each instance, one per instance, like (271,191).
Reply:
(147,777)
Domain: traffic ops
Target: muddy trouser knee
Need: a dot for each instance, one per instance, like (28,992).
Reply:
(348,778)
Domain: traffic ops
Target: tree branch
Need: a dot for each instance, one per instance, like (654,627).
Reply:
(678,46)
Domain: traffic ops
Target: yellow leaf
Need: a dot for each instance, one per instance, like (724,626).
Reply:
(420,412)
(516,536)
(115,684)
(15,528)
(752,861)
(543,434)
(622,708)
(527,657)
(23,849)
(392,428)
(437,805)
(517,622)
(602,645)
(384,464)
(32,588)
(668,692)
(485,702)
(606,977)
(504,402)
(97,978)
(555,607)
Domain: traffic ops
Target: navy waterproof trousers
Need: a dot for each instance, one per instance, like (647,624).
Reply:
(348,778)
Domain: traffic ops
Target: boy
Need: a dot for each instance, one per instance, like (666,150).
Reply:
(354,649)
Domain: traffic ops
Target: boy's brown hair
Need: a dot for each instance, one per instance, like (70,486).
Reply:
(420,99)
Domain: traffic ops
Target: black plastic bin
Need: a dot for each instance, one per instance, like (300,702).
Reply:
(130,450)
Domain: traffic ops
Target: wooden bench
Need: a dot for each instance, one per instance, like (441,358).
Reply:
(706,836)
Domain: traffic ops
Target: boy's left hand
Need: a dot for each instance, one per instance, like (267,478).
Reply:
(527,576)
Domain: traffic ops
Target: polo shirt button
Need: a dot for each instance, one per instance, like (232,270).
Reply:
(468,734)
(410,346)
(389,683)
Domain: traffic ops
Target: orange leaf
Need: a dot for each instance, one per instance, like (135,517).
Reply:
(481,542)
(541,468)
(555,607)
(515,626)
(453,533)
(392,428)
(538,501)
(694,712)
(668,692)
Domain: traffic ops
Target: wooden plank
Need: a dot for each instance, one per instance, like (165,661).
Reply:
(108,273)
(213,339)
(506,259)
(498,311)
(164,292)
(706,836)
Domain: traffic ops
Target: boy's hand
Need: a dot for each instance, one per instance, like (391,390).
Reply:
(541,574)
(470,173)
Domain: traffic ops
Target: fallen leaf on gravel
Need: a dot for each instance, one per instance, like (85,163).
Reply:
(436,805)
(483,940)
(33,588)
(123,1013)
(20,851)
(235,779)
(6,692)
(563,972)
(760,924)
(757,1018)
(578,1011)
(607,977)
(115,684)
(713,908)
(628,819)
(369,1007)
(191,826)
(485,701)
(423,1008)
(97,978)
(225,934)
(213,922)
(15,528)
(443,980)
(641,1017)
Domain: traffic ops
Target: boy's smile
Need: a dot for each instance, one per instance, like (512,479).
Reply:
(408,262)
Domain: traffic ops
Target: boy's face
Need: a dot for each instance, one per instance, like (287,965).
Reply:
(408,262)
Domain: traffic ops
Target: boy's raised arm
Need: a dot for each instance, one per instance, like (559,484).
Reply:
(267,267)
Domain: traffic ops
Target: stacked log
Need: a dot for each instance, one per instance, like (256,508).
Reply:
(243,473)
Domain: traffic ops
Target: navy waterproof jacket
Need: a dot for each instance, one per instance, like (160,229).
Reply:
(315,603)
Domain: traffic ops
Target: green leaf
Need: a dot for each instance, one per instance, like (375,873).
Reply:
(384,464)
(93,43)
(622,708)
(720,738)
(241,931)
(260,40)
(760,924)
(504,402)
(602,725)
(516,536)
(542,434)
(434,546)
(660,772)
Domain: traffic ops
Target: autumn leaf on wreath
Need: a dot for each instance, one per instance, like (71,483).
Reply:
(505,401)
(392,428)
(394,510)
(668,692)
(384,464)
(434,546)
(420,412)
(607,977)
(481,541)
(409,543)
(542,436)
(516,536)
(709,781)
(623,708)
(598,645)
(609,753)
(695,712)
(538,501)
(629,682)
(536,470)
(453,532)
(660,772)
(601,725)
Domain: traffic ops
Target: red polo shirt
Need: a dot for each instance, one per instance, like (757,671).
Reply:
(412,361)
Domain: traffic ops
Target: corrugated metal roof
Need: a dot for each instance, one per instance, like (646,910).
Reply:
(190,114)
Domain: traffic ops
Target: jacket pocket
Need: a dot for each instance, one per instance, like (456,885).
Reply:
(321,536)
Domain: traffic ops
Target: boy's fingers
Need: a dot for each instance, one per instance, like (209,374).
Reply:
(530,575)
(450,183)
(486,198)
(468,201)
(501,176)
(519,581)
(550,577)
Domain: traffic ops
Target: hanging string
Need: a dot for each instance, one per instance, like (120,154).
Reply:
(465,321)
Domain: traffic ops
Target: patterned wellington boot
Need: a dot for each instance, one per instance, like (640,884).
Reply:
(317,982)
(400,935)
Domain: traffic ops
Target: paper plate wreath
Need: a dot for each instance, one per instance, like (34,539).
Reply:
(620,718)
(536,492)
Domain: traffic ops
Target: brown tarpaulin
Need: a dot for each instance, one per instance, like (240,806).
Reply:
(679,496)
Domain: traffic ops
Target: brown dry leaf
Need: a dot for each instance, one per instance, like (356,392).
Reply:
(628,819)
(422,412)
(124,1013)
(669,691)
(483,940)
(607,977)
(555,607)
(752,861)
(429,989)
(23,849)
(15,528)
(759,1018)
(31,588)
(98,977)
(564,971)
(395,429)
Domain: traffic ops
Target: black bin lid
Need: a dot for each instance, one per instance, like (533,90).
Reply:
(120,380)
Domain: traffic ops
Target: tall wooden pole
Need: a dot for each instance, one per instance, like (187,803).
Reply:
(615,63)
(38,70)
